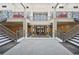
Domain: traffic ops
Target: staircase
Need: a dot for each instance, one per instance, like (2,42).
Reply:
(74,40)
(72,36)
(4,39)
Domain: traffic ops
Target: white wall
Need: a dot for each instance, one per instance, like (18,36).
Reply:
(40,7)
(12,6)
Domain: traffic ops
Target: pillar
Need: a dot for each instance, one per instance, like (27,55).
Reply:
(54,24)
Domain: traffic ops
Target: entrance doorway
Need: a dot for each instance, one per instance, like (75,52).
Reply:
(39,30)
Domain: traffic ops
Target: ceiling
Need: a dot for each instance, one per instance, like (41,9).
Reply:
(22,6)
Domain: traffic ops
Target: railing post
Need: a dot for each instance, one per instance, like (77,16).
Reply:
(64,37)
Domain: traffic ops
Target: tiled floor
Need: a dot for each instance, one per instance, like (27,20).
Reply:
(38,47)
(69,46)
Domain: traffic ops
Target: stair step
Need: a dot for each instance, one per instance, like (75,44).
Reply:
(75,40)
(4,40)
(3,37)
(4,34)
(75,43)
(3,43)
(76,37)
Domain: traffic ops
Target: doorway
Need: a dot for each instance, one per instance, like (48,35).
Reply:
(39,31)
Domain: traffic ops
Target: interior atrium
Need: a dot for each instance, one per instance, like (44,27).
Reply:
(39,28)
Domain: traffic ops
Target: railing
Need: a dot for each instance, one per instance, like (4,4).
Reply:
(10,33)
(60,34)
(72,32)
(19,33)
(69,34)
(14,36)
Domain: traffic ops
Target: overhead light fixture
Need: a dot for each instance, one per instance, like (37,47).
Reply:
(4,6)
(75,7)
(61,7)
(27,7)
(52,7)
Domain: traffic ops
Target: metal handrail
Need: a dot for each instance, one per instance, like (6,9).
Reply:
(8,31)
(72,32)
(73,28)
(69,34)
(60,34)
(19,33)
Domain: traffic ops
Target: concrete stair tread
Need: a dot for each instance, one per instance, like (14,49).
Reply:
(76,37)
(75,43)
(5,42)
(3,37)
(4,34)
(75,40)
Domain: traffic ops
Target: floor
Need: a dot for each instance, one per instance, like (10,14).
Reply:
(38,47)
(6,47)
(71,47)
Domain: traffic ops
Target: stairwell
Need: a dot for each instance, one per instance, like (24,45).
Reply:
(6,35)
(72,36)
(74,40)
(4,38)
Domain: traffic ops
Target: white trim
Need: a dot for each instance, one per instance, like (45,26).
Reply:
(59,39)
(19,40)
(38,38)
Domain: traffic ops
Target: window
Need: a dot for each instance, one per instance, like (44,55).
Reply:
(18,14)
(61,14)
(4,15)
(40,16)
(28,15)
(75,15)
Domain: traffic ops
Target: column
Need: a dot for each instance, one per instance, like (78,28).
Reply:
(49,16)
(25,24)
(26,29)
(54,24)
